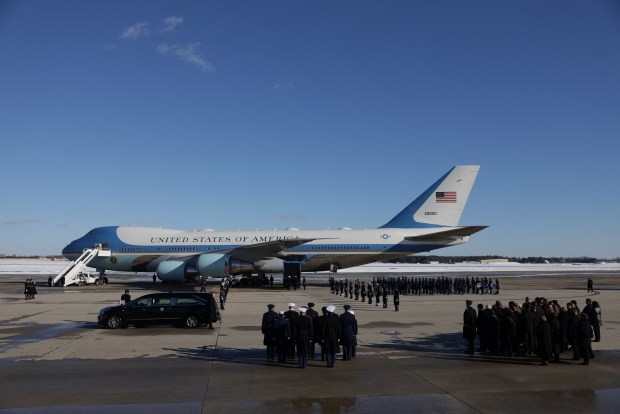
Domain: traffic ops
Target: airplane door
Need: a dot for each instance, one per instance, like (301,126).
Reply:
(292,269)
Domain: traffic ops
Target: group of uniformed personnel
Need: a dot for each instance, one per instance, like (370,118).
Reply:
(30,289)
(381,288)
(295,333)
(541,327)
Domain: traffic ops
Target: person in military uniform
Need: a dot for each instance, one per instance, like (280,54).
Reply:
(348,332)
(354,348)
(267,329)
(363,293)
(303,336)
(292,315)
(396,300)
(331,335)
(469,326)
(385,298)
(319,333)
(370,293)
(314,316)
(282,335)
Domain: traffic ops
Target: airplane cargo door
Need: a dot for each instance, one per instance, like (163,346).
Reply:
(291,274)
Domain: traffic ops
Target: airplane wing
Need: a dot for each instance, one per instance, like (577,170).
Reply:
(255,252)
(454,233)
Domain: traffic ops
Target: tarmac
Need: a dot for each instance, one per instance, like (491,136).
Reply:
(54,358)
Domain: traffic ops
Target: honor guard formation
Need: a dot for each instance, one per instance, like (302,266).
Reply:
(294,334)
(381,287)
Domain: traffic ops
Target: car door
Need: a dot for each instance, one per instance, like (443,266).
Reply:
(160,310)
(136,310)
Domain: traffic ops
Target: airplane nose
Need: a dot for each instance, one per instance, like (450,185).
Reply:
(69,248)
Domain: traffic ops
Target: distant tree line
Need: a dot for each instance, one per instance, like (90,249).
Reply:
(531,259)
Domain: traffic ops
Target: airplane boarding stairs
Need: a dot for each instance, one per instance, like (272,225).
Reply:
(73,269)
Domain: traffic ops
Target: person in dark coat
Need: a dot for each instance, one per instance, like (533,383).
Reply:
(556,336)
(385,298)
(508,330)
(348,332)
(469,326)
(396,300)
(571,327)
(303,336)
(126,297)
(590,285)
(583,337)
(543,334)
(596,320)
(482,328)
(282,334)
(267,329)
(331,335)
(494,330)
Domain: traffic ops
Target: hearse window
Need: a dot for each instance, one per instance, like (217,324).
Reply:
(141,302)
(187,301)
(161,301)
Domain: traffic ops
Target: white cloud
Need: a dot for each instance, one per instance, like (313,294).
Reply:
(140,29)
(188,53)
(21,221)
(171,23)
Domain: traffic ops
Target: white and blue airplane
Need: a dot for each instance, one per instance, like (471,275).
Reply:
(430,222)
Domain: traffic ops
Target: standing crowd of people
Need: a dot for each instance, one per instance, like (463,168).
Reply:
(541,328)
(294,334)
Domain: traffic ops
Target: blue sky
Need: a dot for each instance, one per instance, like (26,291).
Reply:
(310,114)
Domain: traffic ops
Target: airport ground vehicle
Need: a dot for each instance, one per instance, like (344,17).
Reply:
(187,309)
(84,278)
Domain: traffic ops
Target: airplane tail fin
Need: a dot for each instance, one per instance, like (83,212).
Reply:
(441,204)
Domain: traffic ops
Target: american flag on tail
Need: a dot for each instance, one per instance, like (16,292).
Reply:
(445,197)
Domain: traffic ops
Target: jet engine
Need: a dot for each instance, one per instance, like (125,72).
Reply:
(221,265)
(176,271)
